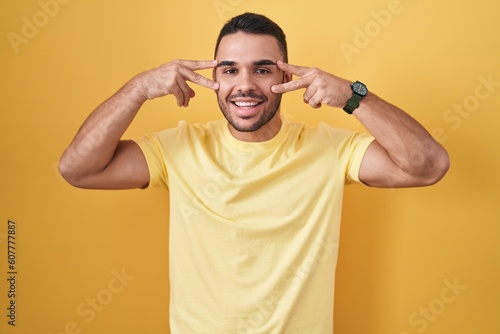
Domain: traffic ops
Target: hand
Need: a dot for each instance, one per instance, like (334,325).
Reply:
(170,79)
(321,87)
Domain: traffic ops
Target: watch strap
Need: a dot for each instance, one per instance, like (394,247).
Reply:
(352,103)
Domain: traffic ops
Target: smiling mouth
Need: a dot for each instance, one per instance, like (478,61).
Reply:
(241,104)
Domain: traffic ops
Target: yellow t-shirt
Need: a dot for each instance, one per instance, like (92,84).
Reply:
(254,227)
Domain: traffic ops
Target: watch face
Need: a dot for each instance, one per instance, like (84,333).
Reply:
(359,88)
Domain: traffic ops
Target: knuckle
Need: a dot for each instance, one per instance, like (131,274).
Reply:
(173,63)
(175,66)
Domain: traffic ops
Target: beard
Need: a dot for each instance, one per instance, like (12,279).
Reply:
(268,113)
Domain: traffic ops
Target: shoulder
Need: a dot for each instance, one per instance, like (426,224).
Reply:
(193,130)
(321,132)
(342,136)
(339,141)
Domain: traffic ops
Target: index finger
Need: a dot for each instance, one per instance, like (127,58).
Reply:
(195,65)
(189,68)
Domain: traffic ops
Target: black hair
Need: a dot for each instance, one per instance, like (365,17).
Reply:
(257,24)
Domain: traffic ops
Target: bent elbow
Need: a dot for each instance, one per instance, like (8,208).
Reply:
(440,167)
(70,174)
(67,173)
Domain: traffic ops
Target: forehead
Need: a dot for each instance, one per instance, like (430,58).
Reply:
(242,47)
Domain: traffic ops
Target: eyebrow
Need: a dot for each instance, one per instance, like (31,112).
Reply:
(261,62)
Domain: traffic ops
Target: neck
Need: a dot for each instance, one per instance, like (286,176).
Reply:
(265,133)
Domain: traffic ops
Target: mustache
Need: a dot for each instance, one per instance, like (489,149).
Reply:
(251,95)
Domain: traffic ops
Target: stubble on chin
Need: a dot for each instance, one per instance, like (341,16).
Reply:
(263,119)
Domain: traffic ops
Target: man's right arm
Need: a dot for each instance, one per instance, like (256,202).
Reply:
(97,158)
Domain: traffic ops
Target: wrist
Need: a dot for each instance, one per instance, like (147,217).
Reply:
(358,92)
(134,91)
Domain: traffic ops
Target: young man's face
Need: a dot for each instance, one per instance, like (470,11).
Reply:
(245,74)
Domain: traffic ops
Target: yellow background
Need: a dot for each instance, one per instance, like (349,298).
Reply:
(400,249)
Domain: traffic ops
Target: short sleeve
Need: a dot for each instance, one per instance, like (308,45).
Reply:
(359,146)
(350,148)
(156,155)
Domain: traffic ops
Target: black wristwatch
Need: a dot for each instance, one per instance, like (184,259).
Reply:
(359,91)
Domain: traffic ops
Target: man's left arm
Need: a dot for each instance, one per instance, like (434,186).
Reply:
(403,153)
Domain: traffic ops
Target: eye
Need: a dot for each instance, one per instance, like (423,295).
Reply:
(262,71)
(229,71)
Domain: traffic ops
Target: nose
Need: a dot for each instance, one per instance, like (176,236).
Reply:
(246,82)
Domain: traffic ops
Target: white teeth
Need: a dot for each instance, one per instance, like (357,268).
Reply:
(246,104)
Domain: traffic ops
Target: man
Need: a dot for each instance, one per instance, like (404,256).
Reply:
(255,199)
